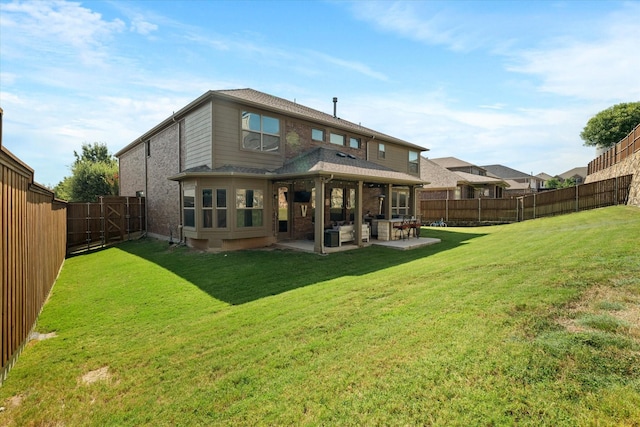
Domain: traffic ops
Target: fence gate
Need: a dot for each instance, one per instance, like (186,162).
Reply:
(109,220)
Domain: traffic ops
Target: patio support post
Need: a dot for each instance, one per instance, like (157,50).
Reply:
(358,215)
(318,240)
(389,200)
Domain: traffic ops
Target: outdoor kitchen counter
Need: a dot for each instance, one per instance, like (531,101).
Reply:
(385,228)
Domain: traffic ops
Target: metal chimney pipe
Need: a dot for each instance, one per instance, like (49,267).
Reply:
(335,103)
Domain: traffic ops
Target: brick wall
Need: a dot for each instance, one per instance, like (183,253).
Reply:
(132,165)
(163,196)
(298,140)
(630,165)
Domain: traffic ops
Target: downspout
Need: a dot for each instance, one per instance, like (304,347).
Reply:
(180,227)
(146,189)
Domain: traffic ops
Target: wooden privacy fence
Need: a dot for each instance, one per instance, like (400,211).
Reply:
(109,220)
(32,230)
(597,194)
(623,149)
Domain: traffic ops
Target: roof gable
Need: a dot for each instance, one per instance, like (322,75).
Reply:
(505,172)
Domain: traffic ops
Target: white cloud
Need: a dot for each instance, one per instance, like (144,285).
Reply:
(143,27)
(603,68)
(57,28)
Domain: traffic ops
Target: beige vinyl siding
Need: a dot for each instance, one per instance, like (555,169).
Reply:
(396,157)
(197,146)
(227,136)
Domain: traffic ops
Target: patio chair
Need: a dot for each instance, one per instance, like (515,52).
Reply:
(414,226)
(401,227)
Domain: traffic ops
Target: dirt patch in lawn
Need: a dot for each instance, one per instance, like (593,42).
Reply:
(101,374)
(622,303)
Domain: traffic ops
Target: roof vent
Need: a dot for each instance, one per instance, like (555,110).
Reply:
(340,154)
(335,105)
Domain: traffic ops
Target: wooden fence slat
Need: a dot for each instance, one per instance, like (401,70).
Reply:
(32,226)
(105,221)
(548,203)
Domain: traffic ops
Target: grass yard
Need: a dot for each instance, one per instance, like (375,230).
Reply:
(535,323)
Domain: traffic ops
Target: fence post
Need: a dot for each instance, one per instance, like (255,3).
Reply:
(534,205)
(479,209)
(88,232)
(102,222)
(577,198)
(446,210)
(128,217)
(615,192)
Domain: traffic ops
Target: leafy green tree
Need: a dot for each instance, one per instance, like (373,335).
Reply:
(609,126)
(94,173)
(555,183)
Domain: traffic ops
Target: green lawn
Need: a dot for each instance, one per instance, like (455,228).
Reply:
(535,323)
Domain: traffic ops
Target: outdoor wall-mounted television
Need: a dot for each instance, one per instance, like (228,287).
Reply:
(302,196)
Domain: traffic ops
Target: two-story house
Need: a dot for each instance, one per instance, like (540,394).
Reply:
(452,178)
(240,169)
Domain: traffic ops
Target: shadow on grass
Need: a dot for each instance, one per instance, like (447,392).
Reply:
(244,276)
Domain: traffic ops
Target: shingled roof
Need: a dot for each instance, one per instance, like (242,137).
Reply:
(440,178)
(318,161)
(505,172)
(326,161)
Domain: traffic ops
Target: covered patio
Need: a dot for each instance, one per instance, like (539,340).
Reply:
(326,194)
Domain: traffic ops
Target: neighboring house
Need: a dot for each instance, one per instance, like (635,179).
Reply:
(471,181)
(240,168)
(543,177)
(520,183)
(442,183)
(579,174)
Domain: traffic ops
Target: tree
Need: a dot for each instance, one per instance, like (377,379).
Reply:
(93,173)
(556,183)
(609,126)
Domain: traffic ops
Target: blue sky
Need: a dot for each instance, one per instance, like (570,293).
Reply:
(506,82)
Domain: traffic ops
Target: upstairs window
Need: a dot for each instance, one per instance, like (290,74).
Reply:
(382,153)
(260,133)
(317,135)
(337,139)
(413,162)
(354,142)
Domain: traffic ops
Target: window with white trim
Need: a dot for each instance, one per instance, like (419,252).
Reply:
(259,132)
(400,202)
(382,153)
